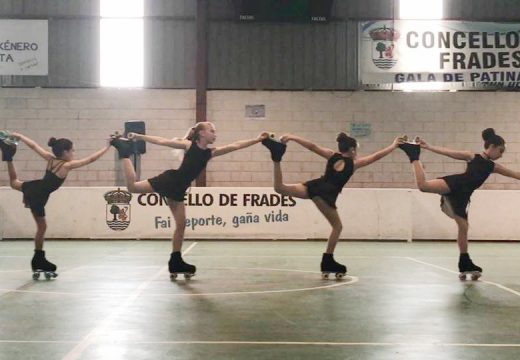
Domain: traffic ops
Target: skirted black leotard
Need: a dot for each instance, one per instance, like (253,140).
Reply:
(173,184)
(462,185)
(330,185)
(36,193)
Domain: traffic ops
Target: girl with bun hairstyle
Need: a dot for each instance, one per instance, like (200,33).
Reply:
(36,192)
(173,184)
(324,191)
(456,190)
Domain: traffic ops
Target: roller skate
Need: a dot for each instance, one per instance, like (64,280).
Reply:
(276,148)
(40,265)
(8,145)
(411,148)
(330,266)
(125,147)
(177,266)
(466,267)
(8,138)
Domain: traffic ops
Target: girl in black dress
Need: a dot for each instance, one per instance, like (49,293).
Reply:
(36,193)
(172,184)
(325,190)
(456,190)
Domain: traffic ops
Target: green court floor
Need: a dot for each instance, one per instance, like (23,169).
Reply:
(259,300)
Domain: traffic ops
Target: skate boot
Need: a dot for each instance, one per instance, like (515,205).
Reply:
(40,265)
(7,145)
(176,265)
(466,267)
(8,138)
(276,148)
(124,147)
(330,266)
(411,149)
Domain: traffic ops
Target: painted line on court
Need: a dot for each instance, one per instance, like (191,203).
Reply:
(280,343)
(263,256)
(98,331)
(338,283)
(320,343)
(37,342)
(262,269)
(500,286)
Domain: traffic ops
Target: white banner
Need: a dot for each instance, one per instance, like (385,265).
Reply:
(217,213)
(409,51)
(258,213)
(24,47)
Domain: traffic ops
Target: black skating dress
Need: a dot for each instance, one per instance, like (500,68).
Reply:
(36,193)
(462,185)
(330,185)
(173,184)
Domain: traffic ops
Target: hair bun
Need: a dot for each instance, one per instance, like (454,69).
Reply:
(488,134)
(52,141)
(342,137)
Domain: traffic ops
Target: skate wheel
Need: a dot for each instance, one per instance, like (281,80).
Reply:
(48,276)
(188,276)
(173,276)
(324,276)
(339,276)
(36,276)
(462,277)
(475,277)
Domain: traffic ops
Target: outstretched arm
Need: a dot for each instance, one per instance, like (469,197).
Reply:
(221,150)
(454,154)
(502,170)
(321,151)
(369,159)
(74,164)
(175,143)
(47,155)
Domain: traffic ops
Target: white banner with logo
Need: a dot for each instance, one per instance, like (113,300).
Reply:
(405,51)
(24,47)
(217,213)
(258,213)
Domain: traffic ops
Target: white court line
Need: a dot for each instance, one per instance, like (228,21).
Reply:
(48,292)
(319,343)
(283,343)
(353,279)
(265,256)
(262,269)
(37,342)
(500,286)
(76,352)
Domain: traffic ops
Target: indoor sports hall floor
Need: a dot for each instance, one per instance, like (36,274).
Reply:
(259,300)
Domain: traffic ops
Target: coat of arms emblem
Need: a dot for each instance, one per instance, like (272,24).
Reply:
(118,209)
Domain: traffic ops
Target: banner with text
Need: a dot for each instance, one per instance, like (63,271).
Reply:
(24,47)
(450,52)
(216,213)
(257,213)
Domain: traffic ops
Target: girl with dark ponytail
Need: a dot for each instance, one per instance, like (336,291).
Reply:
(456,190)
(324,191)
(36,193)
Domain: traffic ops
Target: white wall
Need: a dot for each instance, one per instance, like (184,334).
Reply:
(87,116)
(381,214)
